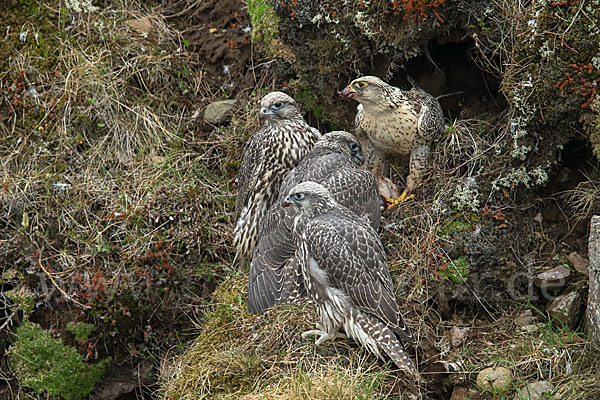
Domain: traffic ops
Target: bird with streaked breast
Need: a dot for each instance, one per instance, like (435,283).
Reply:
(397,122)
(270,153)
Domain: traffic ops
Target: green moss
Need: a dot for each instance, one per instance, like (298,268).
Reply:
(455,227)
(48,365)
(304,95)
(264,21)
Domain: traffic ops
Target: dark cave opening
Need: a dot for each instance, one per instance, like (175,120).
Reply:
(450,70)
(577,155)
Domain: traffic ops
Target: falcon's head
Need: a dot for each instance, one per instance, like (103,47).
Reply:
(309,198)
(278,106)
(344,143)
(366,89)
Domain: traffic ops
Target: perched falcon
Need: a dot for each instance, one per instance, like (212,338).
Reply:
(275,277)
(345,274)
(269,155)
(397,122)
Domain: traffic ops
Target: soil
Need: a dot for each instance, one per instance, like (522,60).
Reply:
(218,33)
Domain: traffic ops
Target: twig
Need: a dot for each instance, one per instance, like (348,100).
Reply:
(59,288)
(9,319)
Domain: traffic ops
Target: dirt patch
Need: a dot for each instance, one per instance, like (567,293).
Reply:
(218,37)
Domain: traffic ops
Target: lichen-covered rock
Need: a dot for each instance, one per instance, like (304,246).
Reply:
(565,308)
(592,313)
(494,378)
(219,112)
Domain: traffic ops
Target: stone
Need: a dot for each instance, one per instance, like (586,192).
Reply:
(534,390)
(459,393)
(219,112)
(141,26)
(496,379)
(565,308)
(579,262)
(120,380)
(592,314)
(525,319)
(554,279)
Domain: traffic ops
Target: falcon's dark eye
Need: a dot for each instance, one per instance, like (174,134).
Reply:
(298,196)
(277,106)
(354,147)
(361,85)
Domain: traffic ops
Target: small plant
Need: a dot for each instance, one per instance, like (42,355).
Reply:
(457,270)
(80,330)
(417,10)
(46,364)
(22,299)
(304,95)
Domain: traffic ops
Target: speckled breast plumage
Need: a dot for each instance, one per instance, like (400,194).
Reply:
(393,132)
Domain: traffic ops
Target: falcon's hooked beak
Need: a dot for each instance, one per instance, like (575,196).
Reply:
(265,113)
(359,159)
(348,93)
(287,202)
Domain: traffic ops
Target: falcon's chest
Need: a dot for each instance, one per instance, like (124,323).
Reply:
(393,131)
(289,147)
(282,153)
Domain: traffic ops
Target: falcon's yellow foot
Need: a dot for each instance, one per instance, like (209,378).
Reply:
(393,202)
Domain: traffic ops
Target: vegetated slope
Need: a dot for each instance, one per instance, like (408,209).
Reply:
(116,205)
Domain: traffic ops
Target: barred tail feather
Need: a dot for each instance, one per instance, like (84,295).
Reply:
(385,339)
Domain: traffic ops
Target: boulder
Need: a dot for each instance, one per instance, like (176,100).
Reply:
(219,112)
(554,279)
(592,313)
(579,262)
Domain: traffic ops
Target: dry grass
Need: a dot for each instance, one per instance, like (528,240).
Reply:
(238,355)
(114,202)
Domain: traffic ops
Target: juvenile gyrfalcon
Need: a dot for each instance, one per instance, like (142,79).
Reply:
(275,276)
(345,274)
(270,154)
(396,122)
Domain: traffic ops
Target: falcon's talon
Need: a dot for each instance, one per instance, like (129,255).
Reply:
(394,202)
(323,336)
